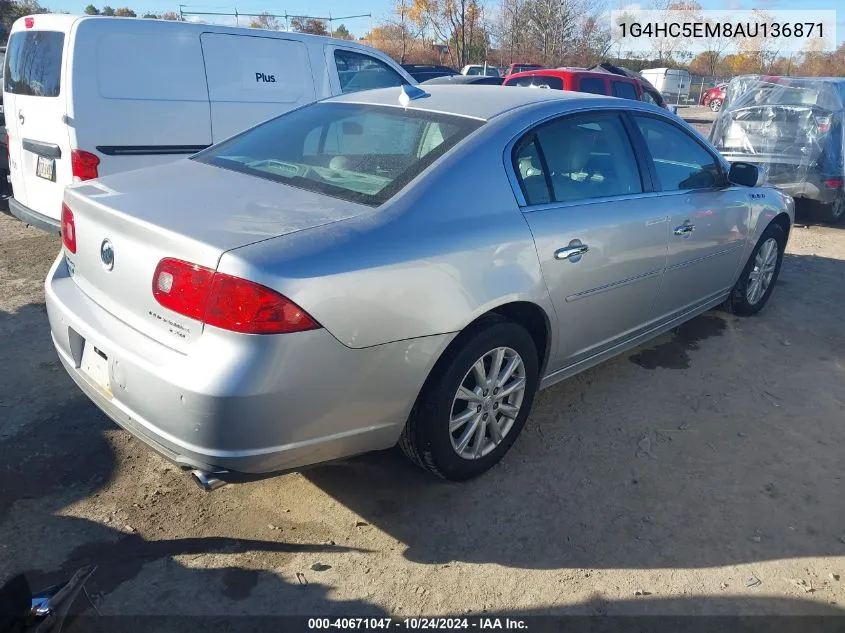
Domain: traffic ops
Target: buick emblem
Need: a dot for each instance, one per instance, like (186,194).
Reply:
(107,254)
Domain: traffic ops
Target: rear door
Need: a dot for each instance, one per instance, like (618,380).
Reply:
(601,242)
(35,103)
(252,79)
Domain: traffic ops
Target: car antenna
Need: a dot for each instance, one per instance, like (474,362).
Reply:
(411,93)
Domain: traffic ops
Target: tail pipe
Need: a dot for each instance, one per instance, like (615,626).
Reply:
(207,481)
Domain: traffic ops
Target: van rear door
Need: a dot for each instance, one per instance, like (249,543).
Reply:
(35,103)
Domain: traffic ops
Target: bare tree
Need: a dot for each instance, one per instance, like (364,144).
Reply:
(264,21)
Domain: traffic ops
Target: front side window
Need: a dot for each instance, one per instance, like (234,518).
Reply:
(33,64)
(592,85)
(624,90)
(577,158)
(680,161)
(647,98)
(357,71)
(355,152)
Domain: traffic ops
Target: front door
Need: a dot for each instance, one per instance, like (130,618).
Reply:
(602,245)
(708,219)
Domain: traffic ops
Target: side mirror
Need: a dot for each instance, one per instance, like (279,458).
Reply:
(744,174)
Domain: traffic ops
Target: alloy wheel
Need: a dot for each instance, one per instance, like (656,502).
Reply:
(764,269)
(487,403)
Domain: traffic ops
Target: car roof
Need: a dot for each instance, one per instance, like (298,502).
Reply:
(479,102)
(568,72)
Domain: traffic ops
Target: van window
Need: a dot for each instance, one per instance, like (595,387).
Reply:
(624,90)
(355,152)
(34,63)
(593,85)
(362,72)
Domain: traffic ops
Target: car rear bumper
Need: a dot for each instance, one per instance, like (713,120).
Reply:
(33,218)
(240,403)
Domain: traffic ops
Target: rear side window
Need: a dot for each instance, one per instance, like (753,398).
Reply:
(577,158)
(354,152)
(362,72)
(538,81)
(624,90)
(34,63)
(592,85)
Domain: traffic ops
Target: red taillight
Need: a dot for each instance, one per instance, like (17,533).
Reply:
(227,302)
(68,229)
(833,183)
(823,124)
(29,22)
(83,164)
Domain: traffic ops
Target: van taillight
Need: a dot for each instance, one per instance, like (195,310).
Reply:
(29,22)
(68,229)
(83,164)
(227,302)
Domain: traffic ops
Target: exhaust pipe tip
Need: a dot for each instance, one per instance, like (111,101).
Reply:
(206,481)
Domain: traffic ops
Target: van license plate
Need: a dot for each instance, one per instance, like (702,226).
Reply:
(45,168)
(95,364)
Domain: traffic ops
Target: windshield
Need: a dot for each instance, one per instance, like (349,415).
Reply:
(356,152)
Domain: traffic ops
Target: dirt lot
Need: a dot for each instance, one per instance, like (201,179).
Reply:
(702,473)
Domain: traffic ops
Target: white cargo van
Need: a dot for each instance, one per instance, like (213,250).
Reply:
(91,96)
(672,83)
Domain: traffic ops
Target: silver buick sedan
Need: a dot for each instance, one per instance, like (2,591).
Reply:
(397,267)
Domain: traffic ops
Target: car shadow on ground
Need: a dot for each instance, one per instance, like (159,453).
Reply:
(698,449)
(52,457)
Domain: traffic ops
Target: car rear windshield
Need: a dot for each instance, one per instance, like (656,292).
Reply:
(34,63)
(356,152)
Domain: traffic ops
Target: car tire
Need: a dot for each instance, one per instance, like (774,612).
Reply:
(715,105)
(747,297)
(433,435)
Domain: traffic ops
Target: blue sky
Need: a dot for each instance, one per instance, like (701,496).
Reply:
(381,8)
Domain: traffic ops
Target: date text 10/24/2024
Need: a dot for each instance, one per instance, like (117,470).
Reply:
(430,624)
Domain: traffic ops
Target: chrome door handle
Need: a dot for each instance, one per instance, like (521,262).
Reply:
(572,252)
(685,229)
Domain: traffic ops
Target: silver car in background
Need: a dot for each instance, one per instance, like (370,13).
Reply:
(397,267)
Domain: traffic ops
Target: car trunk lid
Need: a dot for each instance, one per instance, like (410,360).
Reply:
(127,223)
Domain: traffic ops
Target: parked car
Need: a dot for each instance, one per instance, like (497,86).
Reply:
(579,80)
(521,68)
(648,93)
(466,80)
(326,283)
(714,97)
(672,83)
(792,128)
(424,72)
(480,69)
(118,110)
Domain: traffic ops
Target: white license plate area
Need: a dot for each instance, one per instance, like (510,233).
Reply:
(45,167)
(95,365)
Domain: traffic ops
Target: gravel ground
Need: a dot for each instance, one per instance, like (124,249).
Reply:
(701,473)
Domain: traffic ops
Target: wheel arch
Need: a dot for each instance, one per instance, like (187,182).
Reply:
(525,313)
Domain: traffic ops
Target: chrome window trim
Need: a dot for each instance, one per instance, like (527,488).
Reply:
(611,108)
